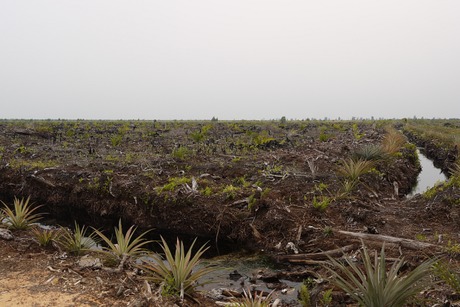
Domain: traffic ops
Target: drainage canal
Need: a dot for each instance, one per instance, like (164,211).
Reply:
(428,177)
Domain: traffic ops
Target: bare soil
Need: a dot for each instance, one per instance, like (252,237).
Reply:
(244,185)
(35,276)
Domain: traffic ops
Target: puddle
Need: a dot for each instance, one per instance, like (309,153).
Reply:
(428,177)
(237,271)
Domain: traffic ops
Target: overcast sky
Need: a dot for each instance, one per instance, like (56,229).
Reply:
(234,59)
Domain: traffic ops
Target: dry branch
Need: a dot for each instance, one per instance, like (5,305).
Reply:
(314,258)
(407,243)
(43,180)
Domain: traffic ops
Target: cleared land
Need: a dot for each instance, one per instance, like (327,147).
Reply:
(251,185)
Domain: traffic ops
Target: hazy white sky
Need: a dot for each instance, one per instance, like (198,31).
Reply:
(234,59)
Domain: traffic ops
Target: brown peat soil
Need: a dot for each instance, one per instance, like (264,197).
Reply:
(264,186)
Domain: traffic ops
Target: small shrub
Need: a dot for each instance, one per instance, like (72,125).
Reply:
(181,153)
(236,159)
(265,192)
(393,141)
(207,191)
(375,286)
(115,140)
(22,217)
(197,136)
(328,231)
(353,169)
(304,296)
(369,153)
(173,183)
(230,191)
(356,133)
(338,127)
(261,139)
(321,187)
(242,181)
(348,186)
(321,204)
(250,300)
(252,200)
(126,244)
(433,191)
(452,249)
(179,273)
(326,299)
(323,136)
(274,169)
(445,272)
(78,241)
(45,237)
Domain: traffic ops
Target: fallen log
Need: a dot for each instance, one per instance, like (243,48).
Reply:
(313,258)
(403,242)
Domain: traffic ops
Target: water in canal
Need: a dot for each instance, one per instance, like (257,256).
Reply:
(428,177)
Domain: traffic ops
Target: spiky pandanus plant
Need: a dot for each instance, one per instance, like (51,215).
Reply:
(252,300)
(126,244)
(77,241)
(22,216)
(352,169)
(45,237)
(370,152)
(179,273)
(374,285)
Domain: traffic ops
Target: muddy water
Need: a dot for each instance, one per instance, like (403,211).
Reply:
(237,271)
(428,177)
